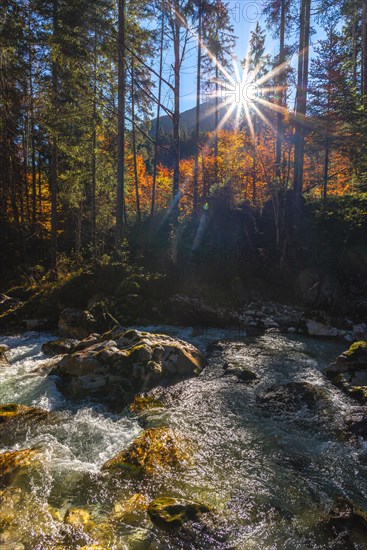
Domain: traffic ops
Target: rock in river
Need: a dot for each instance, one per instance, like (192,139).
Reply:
(59,347)
(13,463)
(115,370)
(171,513)
(154,450)
(242,373)
(349,372)
(3,359)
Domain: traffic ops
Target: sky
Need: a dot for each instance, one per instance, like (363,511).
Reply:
(244,14)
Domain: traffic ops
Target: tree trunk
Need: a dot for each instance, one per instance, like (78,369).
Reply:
(364,50)
(216,148)
(32,132)
(197,121)
(134,143)
(158,117)
(119,232)
(301,102)
(54,155)
(326,167)
(39,184)
(278,153)
(254,163)
(176,132)
(93,213)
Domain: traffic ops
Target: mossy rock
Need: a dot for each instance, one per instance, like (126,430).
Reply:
(28,522)
(16,420)
(114,371)
(242,373)
(144,402)
(171,513)
(354,358)
(14,462)
(12,411)
(59,347)
(79,518)
(154,450)
(357,349)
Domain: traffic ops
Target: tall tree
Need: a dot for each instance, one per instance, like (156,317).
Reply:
(301,104)
(119,233)
(327,86)
(217,31)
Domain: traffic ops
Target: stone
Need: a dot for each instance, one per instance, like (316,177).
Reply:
(59,347)
(349,372)
(18,420)
(87,342)
(3,358)
(171,513)
(13,463)
(241,372)
(316,328)
(116,370)
(143,402)
(155,449)
(77,517)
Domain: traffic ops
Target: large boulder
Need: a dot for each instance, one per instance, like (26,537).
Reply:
(349,372)
(115,370)
(155,449)
(76,323)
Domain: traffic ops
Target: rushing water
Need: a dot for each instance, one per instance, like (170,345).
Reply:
(268,476)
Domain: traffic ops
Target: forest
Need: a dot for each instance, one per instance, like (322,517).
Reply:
(97,156)
(183,274)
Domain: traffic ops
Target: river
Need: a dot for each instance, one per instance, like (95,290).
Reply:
(268,472)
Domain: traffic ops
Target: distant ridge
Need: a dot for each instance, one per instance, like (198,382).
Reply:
(188,119)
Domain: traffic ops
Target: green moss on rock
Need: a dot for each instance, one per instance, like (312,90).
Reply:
(357,349)
(171,513)
(155,449)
